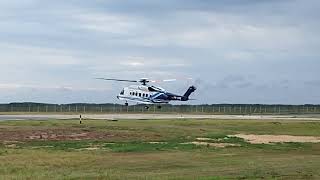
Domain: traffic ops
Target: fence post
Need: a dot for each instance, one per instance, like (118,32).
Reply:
(260,109)
(279,109)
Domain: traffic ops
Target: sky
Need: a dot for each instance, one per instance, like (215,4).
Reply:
(235,51)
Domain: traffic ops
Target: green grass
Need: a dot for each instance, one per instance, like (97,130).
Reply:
(126,152)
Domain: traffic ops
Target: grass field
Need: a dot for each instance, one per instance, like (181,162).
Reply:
(155,149)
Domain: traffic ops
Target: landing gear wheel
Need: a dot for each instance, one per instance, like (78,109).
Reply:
(146,107)
(159,107)
(126,104)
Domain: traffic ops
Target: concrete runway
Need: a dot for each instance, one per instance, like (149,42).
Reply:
(155,116)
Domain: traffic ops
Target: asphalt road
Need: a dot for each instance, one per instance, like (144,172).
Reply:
(153,116)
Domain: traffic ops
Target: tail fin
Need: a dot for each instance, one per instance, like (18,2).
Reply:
(188,93)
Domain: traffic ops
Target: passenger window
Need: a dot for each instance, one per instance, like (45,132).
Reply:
(139,94)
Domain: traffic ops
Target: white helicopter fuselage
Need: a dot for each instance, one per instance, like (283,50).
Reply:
(143,95)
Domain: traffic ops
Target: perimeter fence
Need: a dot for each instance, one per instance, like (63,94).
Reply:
(232,109)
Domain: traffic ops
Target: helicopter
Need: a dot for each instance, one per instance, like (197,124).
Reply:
(148,94)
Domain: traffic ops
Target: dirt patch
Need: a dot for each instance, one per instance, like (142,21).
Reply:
(158,143)
(51,135)
(91,148)
(269,139)
(217,145)
(204,139)
(58,135)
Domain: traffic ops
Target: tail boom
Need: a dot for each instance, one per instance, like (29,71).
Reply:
(191,89)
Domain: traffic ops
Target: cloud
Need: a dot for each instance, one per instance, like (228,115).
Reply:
(239,49)
(49,87)
(107,23)
(35,55)
(313,83)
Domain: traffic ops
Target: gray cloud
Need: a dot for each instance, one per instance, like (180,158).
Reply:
(236,49)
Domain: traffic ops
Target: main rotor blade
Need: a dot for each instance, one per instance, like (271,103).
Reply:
(170,80)
(120,80)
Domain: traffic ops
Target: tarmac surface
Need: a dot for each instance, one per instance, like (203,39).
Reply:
(155,116)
